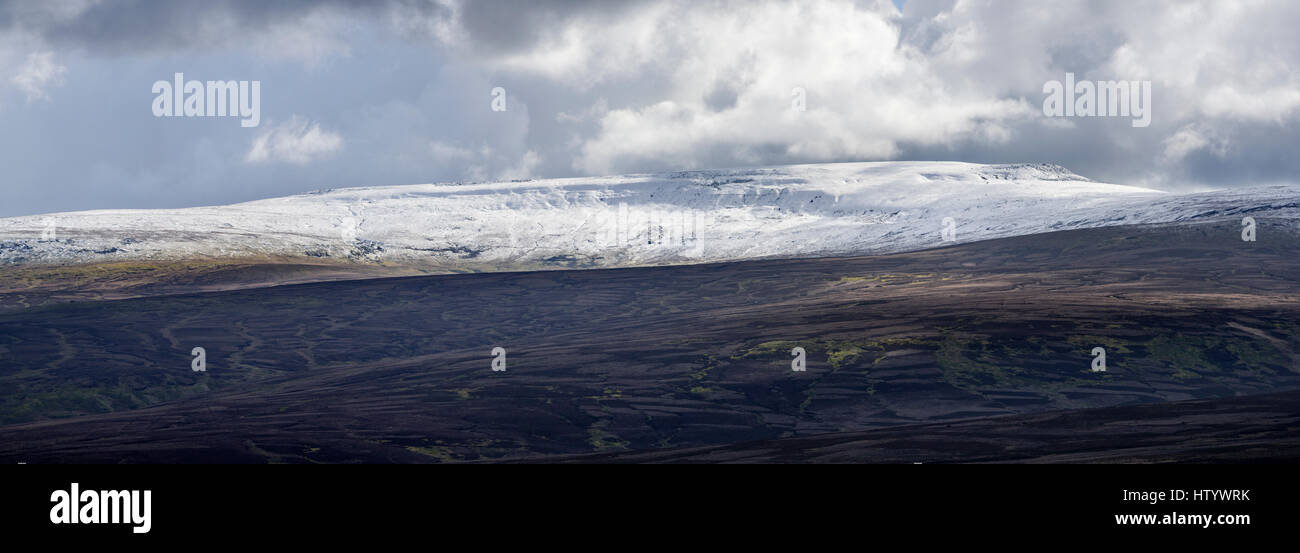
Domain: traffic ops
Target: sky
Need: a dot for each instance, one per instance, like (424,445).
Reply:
(384,92)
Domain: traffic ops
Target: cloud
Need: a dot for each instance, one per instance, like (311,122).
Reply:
(444,152)
(1193,138)
(298,30)
(602,86)
(954,79)
(524,169)
(295,141)
(725,80)
(477,164)
(37,74)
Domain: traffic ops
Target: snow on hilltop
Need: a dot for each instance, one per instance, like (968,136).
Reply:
(682,217)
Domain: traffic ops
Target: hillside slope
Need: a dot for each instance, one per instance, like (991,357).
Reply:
(671,218)
(635,359)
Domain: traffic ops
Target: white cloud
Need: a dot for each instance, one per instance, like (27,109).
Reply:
(1235,60)
(1192,138)
(435,19)
(524,169)
(687,84)
(445,152)
(39,73)
(476,164)
(729,76)
(296,141)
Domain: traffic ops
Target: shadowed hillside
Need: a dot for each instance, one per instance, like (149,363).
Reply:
(399,369)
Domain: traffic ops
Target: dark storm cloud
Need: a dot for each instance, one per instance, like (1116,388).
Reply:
(510,26)
(140,26)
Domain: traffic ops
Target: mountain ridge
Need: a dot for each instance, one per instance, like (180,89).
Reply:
(684,217)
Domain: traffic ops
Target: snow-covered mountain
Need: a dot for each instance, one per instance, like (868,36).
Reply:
(684,217)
